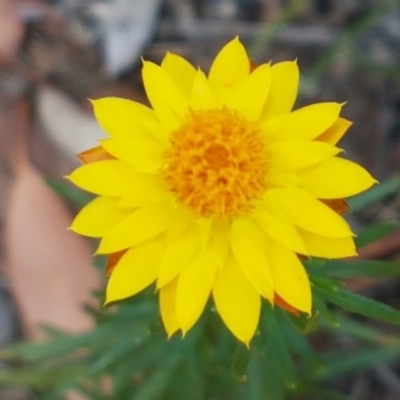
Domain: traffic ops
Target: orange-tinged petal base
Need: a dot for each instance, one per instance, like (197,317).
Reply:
(112,261)
(286,306)
(339,205)
(94,154)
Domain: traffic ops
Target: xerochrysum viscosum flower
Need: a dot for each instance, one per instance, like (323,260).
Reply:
(217,189)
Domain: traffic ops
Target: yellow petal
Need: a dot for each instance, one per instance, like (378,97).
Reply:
(99,216)
(278,226)
(283,91)
(290,278)
(336,178)
(229,69)
(202,97)
(144,189)
(180,70)
(194,287)
(307,212)
(327,247)
(143,224)
(136,270)
(250,97)
(237,302)
(277,177)
(168,307)
(303,124)
(106,178)
(248,248)
(296,154)
(166,98)
(181,250)
(144,153)
(333,134)
(122,118)
(217,247)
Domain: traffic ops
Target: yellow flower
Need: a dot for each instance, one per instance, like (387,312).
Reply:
(218,190)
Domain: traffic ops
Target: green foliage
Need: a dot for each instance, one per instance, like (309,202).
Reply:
(374,194)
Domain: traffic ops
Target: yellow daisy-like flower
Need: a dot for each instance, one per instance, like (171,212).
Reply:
(218,190)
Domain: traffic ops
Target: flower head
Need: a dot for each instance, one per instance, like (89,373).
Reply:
(218,190)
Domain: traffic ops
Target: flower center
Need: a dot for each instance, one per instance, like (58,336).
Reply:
(216,165)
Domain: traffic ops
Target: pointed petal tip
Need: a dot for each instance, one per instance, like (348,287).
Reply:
(171,333)
(110,302)
(106,303)
(99,251)
(184,332)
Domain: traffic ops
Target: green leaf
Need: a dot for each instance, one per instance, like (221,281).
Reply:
(328,283)
(363,268)
(347,361)
(313,392)
(240,362)
(189,382)
(43,375)
(69,192)
(272,336)
(295,340)
(146,356)
(156,383)
(325,312)
(367,333)
(360,304)
(256,388)
(316,267)
(265,379)
(304,323)
(112,355)
(375,232)
(374,194)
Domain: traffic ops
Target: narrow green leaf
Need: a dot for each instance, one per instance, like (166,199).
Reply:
(363,268)
(328,283)
(366,332)
(304,323)
(271,335)
(375,232)
(58,346)
(313,392)
(345,362)
(374,194)
(297,342)
(111,355)
(265,379)
(256,389)
(69,192)
(188,381)
(240,362)
(360,304)
(273,379)
(325,312)
(146,356)
(156,383)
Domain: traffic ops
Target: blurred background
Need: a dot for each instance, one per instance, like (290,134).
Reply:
(57,54)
